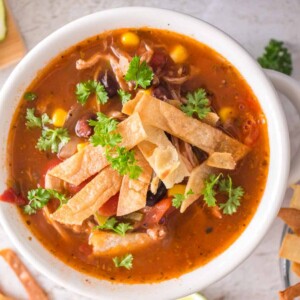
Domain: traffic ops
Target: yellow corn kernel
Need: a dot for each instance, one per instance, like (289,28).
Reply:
(179,54)
(81,146)
(130,39)
(148,91)
(100,219)
(59,117)
(177,189)
(225,113)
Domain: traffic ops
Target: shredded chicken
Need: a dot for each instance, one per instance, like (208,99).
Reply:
(154,184)
(147,55)
(86,64)
(157,232)
(176,80)
(124,59)
(117,115)
(119,74)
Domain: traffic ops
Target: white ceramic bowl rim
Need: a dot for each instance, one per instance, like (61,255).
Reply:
(278,136)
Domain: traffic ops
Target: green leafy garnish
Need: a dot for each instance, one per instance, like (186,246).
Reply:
(234,196)
(139,72)
(111,224)
(209,191)
(197,104)
(33,121)
(30,96)
(123,161)
(53,139)
(276,57)
(86,88)
(125,96)
(125,261)
(104,134)
(179,198)
(40,197)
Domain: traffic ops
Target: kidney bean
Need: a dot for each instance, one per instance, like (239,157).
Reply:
(110,84)
(158,60)
(82,128)
(161,93)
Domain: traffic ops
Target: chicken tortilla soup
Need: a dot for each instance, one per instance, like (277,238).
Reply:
(137,155)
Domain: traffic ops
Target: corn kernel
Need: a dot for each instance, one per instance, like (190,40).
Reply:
(226,113)
(81,146)
(179,54)
(148,91)
(177,189)
(130,39)
(59,117)
(100,219)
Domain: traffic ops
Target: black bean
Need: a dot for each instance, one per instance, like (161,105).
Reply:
(160,194)
(110,84)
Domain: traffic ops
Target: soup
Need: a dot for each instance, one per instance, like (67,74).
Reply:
(137,155)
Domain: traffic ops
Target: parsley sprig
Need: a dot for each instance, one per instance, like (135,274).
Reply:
(276,57)
(33,121)
(216,184)
(197,104)
(30,96)
(125,96)
(125,261)
(139,72)
(38,198)
(112,224)
(179,198)
(86,88)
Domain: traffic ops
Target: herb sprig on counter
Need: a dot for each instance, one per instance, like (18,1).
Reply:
(86,88)
(112,224)
(124,261)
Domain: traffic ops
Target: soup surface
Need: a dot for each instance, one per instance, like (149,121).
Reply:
(133,220)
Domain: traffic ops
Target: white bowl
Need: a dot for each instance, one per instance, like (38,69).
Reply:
(188,283)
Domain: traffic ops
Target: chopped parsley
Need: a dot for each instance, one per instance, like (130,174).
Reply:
(112,224)
(30,96)
(197,104)
(33,121)
(179,198)
(276,57)
(139,72)
(86,88)
(125,261)
(208,191)
(125,96)
(40,197)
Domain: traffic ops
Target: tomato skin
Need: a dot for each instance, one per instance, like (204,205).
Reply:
(10,196)
(109,208)
(49,165)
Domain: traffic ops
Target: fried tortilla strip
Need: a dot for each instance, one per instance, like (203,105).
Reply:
(53,183)
(163,157)
(290,247)
(172,120)
(221,160)
(134,191)
(290,293)
(99,190)
(291,216)
(296,268)
(32,288)
(105,243)
(211,119)
(295,201)
(196,184)
(3,297)
(91,160)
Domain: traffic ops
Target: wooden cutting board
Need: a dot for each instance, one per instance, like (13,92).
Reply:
(12,49)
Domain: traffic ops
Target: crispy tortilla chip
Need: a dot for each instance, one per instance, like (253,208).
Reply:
(99,190)
(32,288)
(211,119)
(196,184)
(134,191)
(3,297)
(296,268)
(290,293)
(163,157)
(162,115)
(53,183)
(91,160)
(221,160)
(290,247)
(295,201)
(105,243)
(291,216)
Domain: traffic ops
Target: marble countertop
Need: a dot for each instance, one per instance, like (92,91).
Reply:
(251,23)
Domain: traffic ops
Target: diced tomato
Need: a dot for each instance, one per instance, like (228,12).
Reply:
(154,215)
(85,249)
(109,208)
(10,196)
(49,165)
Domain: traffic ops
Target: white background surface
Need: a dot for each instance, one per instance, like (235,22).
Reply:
(252,23)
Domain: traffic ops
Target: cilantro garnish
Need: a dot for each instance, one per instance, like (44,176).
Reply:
(125,96)
(111,224)
(208,191)
(139,72)
(40,197)
(30,96)
(125,261)
(276,57)
(33,121)
(86,88)
(179,198)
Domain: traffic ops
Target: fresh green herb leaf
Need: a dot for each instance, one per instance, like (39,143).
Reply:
(125,261)
(179,198)
(111,224)
(234,196)
(33,121)
(198,104)
(125,96)
(139,72)
(123,161)
(208,191)
(53,139)
(276,57)
(30,96)
(86,88)
(40,197)
(104,134)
